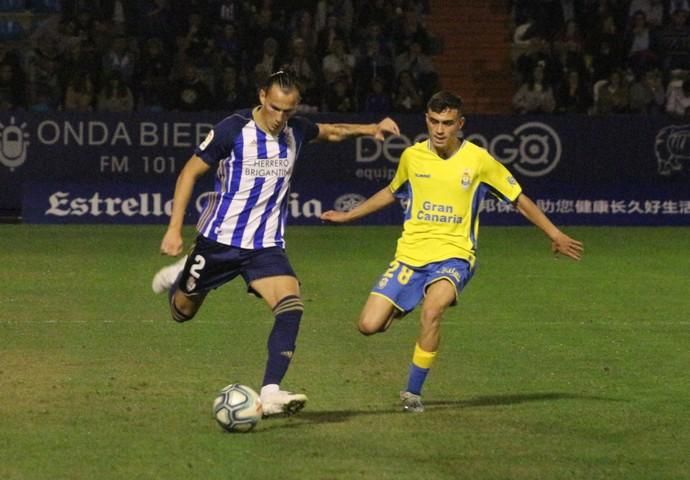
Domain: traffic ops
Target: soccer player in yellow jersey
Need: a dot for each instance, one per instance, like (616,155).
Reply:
(444,179)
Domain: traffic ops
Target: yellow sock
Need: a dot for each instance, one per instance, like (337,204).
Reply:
(422,358)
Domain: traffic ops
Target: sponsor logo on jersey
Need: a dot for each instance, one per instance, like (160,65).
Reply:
(466,179)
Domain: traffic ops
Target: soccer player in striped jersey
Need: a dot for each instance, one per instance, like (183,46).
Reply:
(444,180)
(241,229)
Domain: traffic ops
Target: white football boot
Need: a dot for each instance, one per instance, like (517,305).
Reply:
(279,402)
(166,276)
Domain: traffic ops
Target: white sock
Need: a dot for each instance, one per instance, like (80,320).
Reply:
(270,388)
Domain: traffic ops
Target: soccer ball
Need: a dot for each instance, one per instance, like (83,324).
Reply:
(237,408)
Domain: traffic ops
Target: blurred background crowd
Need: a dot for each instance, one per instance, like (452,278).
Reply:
(601,57)
(567,56)
(196,55)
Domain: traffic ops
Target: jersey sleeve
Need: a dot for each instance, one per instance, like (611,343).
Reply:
(401,174)
(500,181)
(306,130)
(221,140)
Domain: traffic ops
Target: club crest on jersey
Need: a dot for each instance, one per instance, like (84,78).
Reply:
(191,284)
(207,140)
(466,179)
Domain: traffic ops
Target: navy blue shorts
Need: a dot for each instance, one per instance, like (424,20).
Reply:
(212,264)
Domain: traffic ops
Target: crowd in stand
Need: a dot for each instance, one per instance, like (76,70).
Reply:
(200,55)
(350,55)
(633,58)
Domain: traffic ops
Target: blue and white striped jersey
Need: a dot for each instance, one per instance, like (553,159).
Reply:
(248,208)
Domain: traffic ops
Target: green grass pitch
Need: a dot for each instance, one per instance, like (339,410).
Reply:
(548,369)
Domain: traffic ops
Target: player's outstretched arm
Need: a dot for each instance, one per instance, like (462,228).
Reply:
(376,202)
(336,132)
(560,242)
(172,240)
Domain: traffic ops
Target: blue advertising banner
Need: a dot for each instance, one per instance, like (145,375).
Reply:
(618,170)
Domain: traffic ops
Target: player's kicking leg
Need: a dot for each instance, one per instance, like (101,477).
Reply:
(377,315)
(281,293)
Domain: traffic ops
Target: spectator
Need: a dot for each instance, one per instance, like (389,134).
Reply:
(43,101)
(155,19)
(81,56)
(80,93)
(119,59)
(302,66)
(568,46)
(377,99)
(408,97)
(605,35)
(525,35)
(305,30)
(640,44)
(152,77)
(374,33)
(12,92)
(409,30)
(372,11)
(262,29)
(604,61)
(229,92)
(373,63)
(190,93)
(328,34)
(152,94)
(229,44)
(674,5)
(341,9)
(613,96)
(647,94)
(338,63)
(674,44)
(44,76)
(115,96)
(539,53)
(339,97)
(678,98)
(573,95)
(535,95)
(198,43)
(154,62)
(121,14)
(413,60)
(269,59)
(652,9)
(231,11)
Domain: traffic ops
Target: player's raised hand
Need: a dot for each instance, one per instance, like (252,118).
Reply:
(386,126)
(567,246)
(334,217)
(172,243)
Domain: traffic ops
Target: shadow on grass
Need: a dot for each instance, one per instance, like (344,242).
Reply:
(338,416)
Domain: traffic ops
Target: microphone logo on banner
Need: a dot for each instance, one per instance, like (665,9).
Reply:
(14,141)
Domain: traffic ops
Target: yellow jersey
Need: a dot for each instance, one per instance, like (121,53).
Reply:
(444,196)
